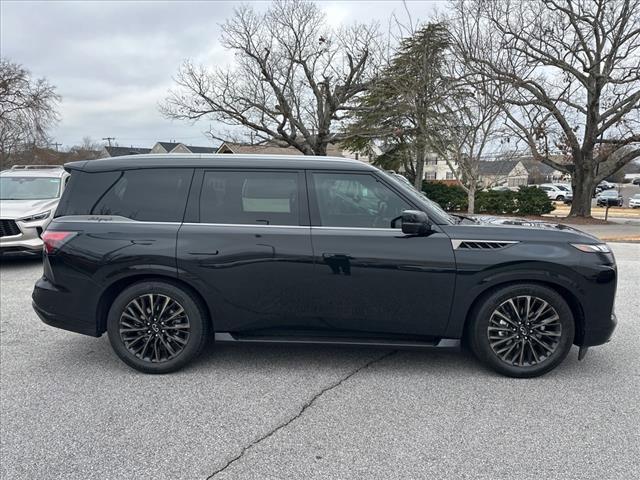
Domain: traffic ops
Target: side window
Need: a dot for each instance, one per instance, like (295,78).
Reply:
(356,200)
(250,197)
(83,190)
(153,195)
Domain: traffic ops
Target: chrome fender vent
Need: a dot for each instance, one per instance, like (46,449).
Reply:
(480,244)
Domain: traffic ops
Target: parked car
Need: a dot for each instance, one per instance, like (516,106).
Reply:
(604,185)
(610,198)
(636,181)
(162,252)
(557,191)
(29,194)
(634,201)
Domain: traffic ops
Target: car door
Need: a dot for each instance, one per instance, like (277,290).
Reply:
(370,277)
(246,246)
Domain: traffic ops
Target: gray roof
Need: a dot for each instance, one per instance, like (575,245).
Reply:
(219,160)
(168,146)
(121,151)
(194,149)
(537,166)
(496,167)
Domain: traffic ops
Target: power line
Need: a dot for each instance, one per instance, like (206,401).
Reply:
(108,139)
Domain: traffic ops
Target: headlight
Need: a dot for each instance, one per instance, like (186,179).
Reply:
(590,248)
(36,217)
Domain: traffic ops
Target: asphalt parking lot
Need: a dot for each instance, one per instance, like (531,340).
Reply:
(71,410)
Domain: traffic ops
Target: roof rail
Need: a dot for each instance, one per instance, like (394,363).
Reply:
(34,167)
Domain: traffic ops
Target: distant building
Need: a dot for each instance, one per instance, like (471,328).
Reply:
(273,148)
(172,147)
(509,173)
(107,152)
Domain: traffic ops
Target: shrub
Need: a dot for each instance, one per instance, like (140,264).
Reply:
(496,201)
(450,197)
(533,201)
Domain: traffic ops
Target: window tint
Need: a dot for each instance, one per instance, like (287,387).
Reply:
(246,197)
(155,195)
(83,191)
(356,200)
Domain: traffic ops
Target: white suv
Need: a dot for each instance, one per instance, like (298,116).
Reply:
(557,191)
(29,195)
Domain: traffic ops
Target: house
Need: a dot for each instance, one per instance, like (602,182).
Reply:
(107,151)
(541,172)
(437,169)
(510,173)
(272,148)
(176,147)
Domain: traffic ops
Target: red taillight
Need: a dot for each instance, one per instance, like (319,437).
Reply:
(54,239)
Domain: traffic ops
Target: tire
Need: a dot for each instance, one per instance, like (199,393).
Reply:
(560,198)
(535,360)
(172,340)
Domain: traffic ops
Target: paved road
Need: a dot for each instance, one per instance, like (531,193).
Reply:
(71,410)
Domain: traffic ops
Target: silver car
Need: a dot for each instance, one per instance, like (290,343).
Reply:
(29,195)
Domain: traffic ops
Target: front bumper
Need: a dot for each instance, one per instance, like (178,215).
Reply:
(28,240)
(600,335)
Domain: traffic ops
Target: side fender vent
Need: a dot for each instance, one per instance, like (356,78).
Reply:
(480,244)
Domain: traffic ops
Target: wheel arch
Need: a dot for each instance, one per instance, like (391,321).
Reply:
(110,293)
(564,292)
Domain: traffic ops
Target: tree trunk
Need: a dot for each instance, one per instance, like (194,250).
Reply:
(471,199)
(583,180)
(419,167)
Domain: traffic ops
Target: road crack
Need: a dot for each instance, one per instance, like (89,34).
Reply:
(303,409)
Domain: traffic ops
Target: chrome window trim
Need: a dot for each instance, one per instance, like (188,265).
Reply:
(244,225)
(324,227)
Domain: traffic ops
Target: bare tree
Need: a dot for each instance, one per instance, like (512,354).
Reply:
(294,77)
(27,109)
(474,128)
(568,73)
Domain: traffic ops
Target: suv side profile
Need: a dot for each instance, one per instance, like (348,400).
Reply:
(29,197)
(164,252)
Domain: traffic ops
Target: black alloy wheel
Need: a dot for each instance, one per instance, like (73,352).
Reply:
(157,326)
(154,327)
(521,330)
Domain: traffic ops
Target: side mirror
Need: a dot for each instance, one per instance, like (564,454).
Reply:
(415,222)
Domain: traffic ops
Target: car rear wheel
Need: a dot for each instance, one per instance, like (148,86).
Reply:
(157,327)
(522,330)
(560,198)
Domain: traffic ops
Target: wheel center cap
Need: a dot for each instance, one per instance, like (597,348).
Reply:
(155,327)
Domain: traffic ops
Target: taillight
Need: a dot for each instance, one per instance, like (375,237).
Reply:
(54,239)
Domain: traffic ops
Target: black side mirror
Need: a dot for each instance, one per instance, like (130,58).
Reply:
(415,222)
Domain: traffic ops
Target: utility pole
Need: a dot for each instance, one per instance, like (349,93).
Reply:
(108,139)
(56,144)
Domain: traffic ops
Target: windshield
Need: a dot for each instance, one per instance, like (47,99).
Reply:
(408,189)
(29,188)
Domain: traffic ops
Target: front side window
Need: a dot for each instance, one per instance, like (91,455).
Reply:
(356,200)
(152,195)
(29,188)
(250,197)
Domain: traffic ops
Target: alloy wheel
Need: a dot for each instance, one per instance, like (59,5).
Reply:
(524,331)
(155,328)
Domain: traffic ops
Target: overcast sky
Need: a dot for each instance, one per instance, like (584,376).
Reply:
(113,61)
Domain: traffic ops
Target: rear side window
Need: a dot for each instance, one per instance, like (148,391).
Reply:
(83,191)
(246,197)
(153,195)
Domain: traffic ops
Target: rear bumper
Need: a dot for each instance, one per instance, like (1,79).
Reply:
(51,304)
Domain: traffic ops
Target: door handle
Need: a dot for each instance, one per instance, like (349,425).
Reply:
(214,252)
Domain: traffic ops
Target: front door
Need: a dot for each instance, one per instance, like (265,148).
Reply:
(371,278)
(246,246)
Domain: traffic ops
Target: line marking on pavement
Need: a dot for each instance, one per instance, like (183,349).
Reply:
(302,410)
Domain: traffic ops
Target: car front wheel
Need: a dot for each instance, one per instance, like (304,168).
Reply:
(522,330)
(157,327)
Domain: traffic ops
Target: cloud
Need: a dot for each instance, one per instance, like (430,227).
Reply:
(112,62)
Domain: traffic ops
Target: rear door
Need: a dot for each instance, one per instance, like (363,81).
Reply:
(246,245)
(370,277)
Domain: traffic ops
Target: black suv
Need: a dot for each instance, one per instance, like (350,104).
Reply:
(163,252)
